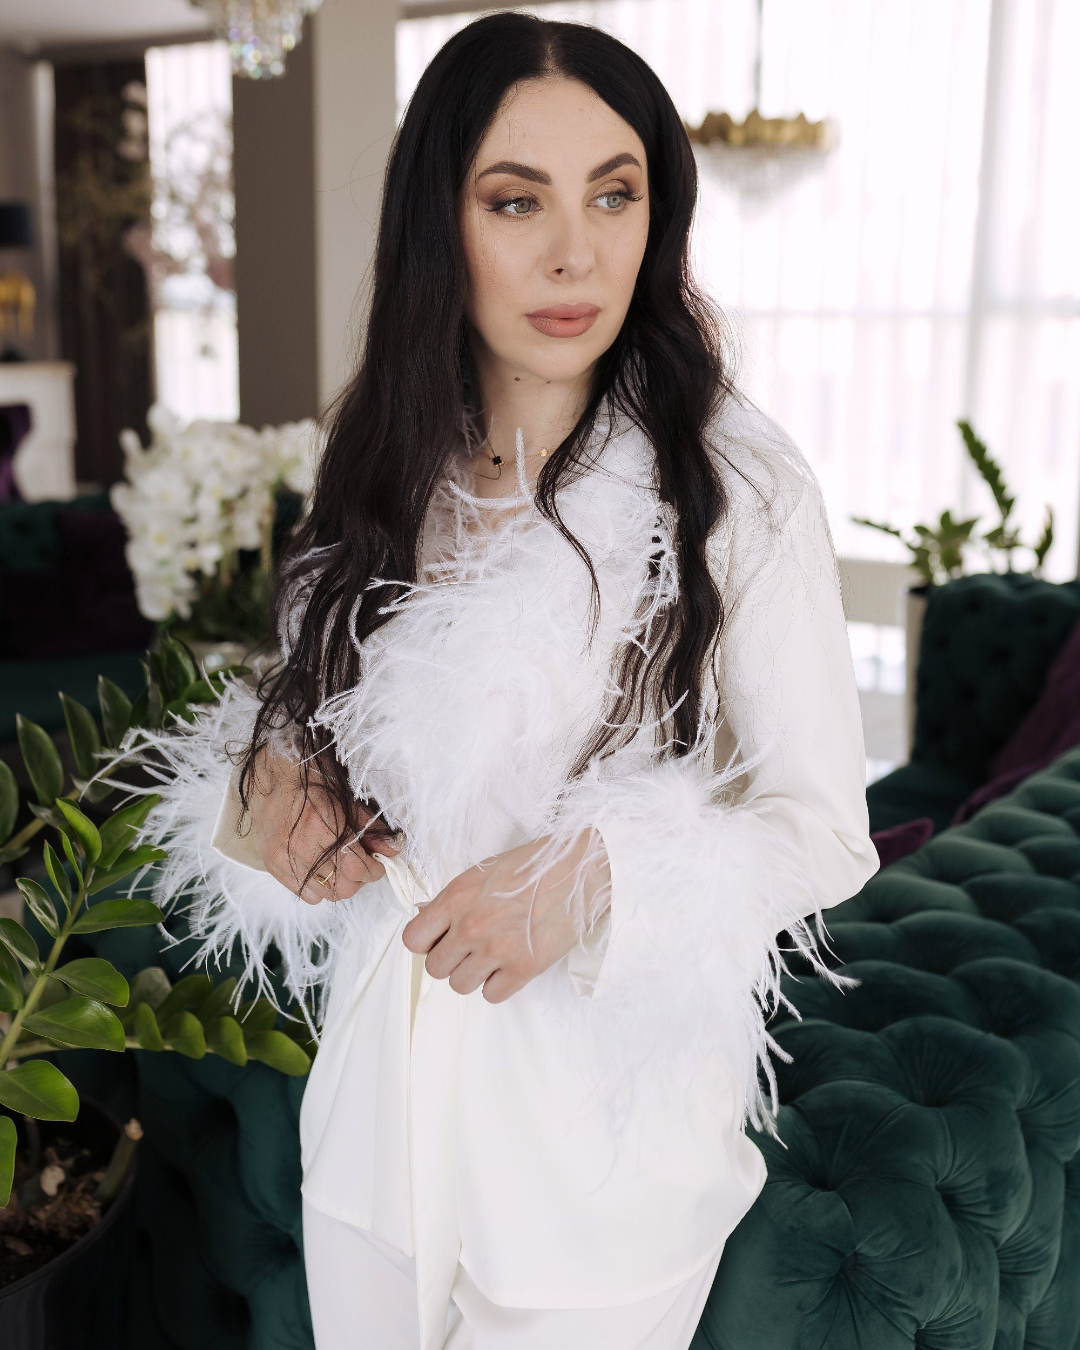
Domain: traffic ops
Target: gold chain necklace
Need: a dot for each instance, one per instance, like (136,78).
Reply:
(497,460)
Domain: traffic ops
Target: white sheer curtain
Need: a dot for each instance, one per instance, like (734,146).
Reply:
(927,271)
(196,357)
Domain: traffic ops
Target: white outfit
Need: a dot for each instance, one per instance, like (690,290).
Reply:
(581,1145)
(363,1297)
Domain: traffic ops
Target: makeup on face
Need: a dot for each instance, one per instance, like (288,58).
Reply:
(564,321)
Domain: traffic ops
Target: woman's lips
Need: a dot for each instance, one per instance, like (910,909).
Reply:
(564,320)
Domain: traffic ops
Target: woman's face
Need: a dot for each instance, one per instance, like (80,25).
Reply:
(554,217)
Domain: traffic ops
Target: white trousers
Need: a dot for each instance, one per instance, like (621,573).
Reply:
(363,1297)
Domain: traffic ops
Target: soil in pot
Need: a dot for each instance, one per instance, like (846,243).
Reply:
(58,1170)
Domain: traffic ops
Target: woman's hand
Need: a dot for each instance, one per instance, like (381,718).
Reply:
(496,927)
(294,831)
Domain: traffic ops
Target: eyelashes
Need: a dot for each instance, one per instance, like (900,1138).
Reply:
(499,207)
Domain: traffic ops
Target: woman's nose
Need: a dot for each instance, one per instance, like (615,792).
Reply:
(571,254)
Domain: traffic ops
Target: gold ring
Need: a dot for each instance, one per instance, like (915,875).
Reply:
(326,882)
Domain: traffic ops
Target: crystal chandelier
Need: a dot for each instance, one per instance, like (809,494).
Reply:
(259,32)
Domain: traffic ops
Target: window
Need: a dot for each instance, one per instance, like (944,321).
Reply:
(189,98)
(927,271)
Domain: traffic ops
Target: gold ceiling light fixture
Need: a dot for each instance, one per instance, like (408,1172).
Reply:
(761,156)
(260,33)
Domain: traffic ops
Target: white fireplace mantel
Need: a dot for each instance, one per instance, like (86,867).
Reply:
(44,464)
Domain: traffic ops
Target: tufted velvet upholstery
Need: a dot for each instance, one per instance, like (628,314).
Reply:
(987,644)
(927,1190)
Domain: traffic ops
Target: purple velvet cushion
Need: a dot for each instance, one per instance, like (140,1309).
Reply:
(897,842)
(1050,728)
(85,605)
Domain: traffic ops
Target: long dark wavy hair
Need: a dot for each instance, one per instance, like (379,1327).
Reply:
(401,418)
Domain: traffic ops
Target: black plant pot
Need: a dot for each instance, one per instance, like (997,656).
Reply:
(78,1300)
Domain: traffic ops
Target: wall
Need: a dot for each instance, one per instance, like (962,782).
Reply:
(354,126)
(273,172)
(309,153)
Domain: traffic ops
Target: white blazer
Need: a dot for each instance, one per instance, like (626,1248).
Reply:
(582,1144)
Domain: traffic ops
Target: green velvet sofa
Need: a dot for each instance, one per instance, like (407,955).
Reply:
(927,1189)
(987,643)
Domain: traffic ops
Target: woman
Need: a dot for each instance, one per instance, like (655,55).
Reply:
(566,734)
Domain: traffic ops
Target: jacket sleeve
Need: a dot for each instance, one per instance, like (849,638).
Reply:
(213,872)
(713,855)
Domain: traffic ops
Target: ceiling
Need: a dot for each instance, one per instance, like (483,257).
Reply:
(34,25)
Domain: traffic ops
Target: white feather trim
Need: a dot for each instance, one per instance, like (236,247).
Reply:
(231,907)
(691,963)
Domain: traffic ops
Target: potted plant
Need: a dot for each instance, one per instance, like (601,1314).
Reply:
(940,553)
(47,1003)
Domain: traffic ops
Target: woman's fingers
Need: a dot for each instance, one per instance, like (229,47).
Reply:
(423,931)
(470,974)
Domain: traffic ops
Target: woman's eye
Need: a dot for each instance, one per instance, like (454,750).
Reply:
(516,206)
(613,200)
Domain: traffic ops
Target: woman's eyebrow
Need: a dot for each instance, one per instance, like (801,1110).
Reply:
(519,170)
(610,165)
(510,166)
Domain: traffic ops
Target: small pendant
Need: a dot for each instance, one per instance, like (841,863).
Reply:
(497,460)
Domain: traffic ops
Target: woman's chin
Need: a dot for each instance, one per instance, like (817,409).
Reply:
(555,360)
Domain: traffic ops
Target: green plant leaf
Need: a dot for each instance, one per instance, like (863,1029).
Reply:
(50,991)
(9,1137)
(219,1002)
(115,710)
(258,1015)
(150,986)
(184,1034)
(69,849)
(175,667)
(189,993)
(38,1089)
(878,525)
(83,828)
(128,862)
(149,706)
(11,982)
(10,854)
(39,904)
(225,1038)
(79,1021)
(201,692)
(300,1033)
(9,801)
(1046,539)
(116,833)
(147,1031)
(95,790)
(279,1051)
(19,943)
(83,735)
(96,978)
(117,914)
(989,470)
(42,760)
(57,875)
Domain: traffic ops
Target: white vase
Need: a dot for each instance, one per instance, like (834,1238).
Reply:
(213,656)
